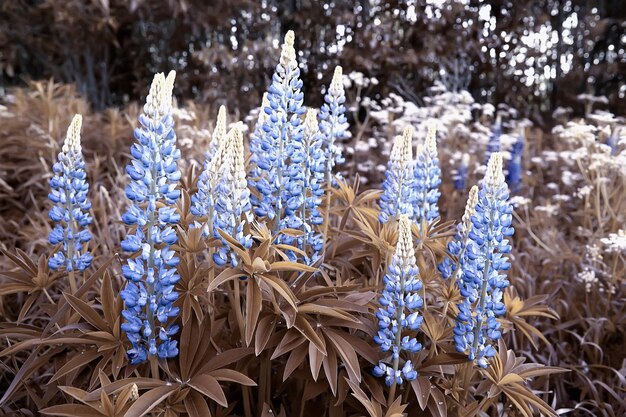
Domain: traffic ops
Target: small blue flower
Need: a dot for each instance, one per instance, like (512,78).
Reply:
(493,145)
(151,276)
(427,179)
(398,187)
(460,176)
(483,268)
(70,212)
(398,313)
(333,123)
(514,175)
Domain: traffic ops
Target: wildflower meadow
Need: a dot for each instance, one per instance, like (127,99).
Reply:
(368,255)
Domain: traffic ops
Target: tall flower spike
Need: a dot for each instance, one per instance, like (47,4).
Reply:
(70,212)
(255,142)
(427,179)
(514,174)
(333,123)
(232,208)
(457,246)
(494,139)
(304,188)
(483,268)
(460,176)
(398,193)
(282,131)
(400,302)
(151,274)
(219,133)
(203,201)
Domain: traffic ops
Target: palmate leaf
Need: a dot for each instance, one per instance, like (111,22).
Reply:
(508,374)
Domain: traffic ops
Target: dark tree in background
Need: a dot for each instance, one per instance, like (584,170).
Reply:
(533,55)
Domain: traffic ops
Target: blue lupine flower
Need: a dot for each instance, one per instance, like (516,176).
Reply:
(460,176)
(203,201)
(514,174)
(232,207)
(256,138)
(151,275)
(494,139)
(70,212)
(398,189)
(427,175)
(400,302)
(483,268)
(458,245)
(282,131)
(333,123)
(304,186)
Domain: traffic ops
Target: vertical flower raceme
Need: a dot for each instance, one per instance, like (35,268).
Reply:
(70,212)
(399,313)
(427,175)
(460,176)
(514,174)
(219,133)
(398,193)
(483,268)
(333,123)
(493,145)
(282,131)
(151,275)
(232,207)
(304,190)
(458,245)
(256,138)
(203,201)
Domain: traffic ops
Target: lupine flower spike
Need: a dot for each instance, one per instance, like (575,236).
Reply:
(203,201)
(398,314)
(460,176)
(333,123)
(483,268)
(232,208)
(427,179)
(458,245)
(304,187)
(255,143)
(70,212)
(398,192)
(494,139)
(219,133)
(151,275)
(514,174)
(282,130)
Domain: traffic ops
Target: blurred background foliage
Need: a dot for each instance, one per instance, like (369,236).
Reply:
(535,55)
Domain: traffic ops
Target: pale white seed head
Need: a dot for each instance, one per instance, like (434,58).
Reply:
(219,133)
(404,247)
(310,123)
(336,85)
(494,176)
(288,52)
(470,210)
(262,115)
(72,139)
(159,99)
(401,153)
(430,144)
(134,392)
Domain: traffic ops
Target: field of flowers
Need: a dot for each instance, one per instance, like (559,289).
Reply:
(367,258)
